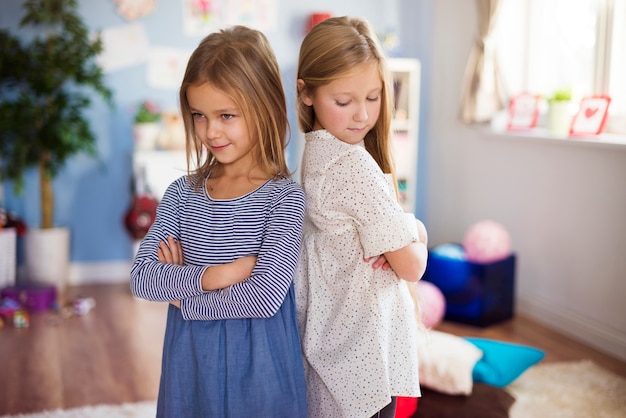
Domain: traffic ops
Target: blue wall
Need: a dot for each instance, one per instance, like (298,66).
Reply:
(93,194)
(415,32)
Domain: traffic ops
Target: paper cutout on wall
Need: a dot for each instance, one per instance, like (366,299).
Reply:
(123,46)
(258,14)
(166,67)
(134,9)
(201,17)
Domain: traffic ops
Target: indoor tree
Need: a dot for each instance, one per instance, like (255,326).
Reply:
(47,72)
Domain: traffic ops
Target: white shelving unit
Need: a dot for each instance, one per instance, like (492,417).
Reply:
(160,168)
(406,74)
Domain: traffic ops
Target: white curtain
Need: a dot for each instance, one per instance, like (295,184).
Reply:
(482,94)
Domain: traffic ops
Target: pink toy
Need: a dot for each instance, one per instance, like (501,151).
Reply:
(82,306)
(487,241)
(432,303)
(8,307)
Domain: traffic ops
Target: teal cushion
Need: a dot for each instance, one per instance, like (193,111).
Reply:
(502,362)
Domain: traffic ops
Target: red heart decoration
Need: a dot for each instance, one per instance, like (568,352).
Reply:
(590,112)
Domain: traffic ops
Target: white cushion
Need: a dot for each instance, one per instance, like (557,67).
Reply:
(446,362)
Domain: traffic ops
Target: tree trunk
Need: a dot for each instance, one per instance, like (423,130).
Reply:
(47,196)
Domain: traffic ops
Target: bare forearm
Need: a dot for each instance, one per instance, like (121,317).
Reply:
(409,262)
(421,230)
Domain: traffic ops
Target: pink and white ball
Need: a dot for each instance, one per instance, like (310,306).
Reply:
(432,303)
(486,242)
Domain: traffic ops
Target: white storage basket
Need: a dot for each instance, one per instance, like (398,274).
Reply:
(8,256)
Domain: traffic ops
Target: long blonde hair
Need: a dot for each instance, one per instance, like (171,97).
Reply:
(331,50)
(240,62)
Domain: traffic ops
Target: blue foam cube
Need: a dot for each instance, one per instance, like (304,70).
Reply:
(479,294)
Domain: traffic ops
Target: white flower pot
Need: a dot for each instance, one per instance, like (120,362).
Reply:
(146,135)
(559,118)
(8,260)
(47,256)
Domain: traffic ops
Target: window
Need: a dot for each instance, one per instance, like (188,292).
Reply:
(579,45)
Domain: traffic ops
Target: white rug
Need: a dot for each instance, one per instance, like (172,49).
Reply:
(578,389)
(129,410)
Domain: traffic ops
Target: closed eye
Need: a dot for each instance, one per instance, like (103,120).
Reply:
(369,99)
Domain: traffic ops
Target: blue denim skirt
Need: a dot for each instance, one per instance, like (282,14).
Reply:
(233,368)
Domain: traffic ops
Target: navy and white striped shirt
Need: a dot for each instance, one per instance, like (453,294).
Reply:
(266,222)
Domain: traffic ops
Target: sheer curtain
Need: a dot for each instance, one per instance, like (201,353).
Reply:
(482,94)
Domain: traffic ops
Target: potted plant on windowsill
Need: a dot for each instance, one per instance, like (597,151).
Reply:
(560,113)
(46,83)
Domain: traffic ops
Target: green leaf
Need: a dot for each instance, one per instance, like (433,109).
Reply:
(45,86)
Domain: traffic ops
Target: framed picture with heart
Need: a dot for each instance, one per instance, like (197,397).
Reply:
(591,116)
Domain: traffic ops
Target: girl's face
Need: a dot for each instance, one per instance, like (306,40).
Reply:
(348,107)
(220,125)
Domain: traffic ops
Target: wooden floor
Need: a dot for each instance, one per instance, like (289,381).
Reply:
(112,354)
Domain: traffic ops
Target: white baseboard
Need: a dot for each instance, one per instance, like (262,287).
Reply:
(574,325)
(97,273)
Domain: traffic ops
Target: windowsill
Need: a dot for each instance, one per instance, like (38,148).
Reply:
(542,135)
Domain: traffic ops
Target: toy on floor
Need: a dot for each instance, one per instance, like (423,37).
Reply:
(8,307)
(82,305)
(476,292)
(34,297)
(21,319)
(487,241)
(432,303)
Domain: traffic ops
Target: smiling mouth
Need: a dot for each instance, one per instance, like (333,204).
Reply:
(219,147)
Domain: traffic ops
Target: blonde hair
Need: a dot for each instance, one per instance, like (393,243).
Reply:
(331,50)
(240,62)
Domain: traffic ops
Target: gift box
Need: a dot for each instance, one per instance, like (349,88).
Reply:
(32,297)
(479,294)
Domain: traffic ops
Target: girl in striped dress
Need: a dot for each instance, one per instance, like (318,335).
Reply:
(224,246)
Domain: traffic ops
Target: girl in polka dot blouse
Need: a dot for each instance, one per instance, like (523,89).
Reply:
(356,314)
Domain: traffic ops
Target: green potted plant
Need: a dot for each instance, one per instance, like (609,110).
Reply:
(48,74)
(147,125)
(559,113)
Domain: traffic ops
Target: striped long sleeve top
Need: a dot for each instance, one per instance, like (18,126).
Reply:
(266,223)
